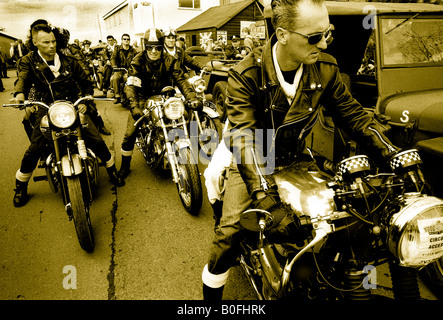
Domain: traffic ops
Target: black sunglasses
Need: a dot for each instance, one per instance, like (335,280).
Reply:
(126,39)
(317,37)
(152,47)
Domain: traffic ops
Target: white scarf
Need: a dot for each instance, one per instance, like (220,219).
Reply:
(56,67)
(288,88)
(171,52)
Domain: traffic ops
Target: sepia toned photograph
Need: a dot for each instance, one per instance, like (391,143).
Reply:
(214,154)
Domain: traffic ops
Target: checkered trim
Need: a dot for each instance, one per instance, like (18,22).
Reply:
(354,164)
(405,159)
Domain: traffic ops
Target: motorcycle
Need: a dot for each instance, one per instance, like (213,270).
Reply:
(70,166)
(209,126)
(163,140)
(339,228)
(124,101)
(95,75)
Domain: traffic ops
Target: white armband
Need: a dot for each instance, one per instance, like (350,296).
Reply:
(134,81)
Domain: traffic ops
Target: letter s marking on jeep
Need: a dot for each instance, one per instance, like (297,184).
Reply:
(405,117)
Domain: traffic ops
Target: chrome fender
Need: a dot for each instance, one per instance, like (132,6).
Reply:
(71,168)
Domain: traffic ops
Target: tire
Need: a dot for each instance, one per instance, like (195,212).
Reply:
(433,277)
(211,136)
(80,214)
(219,96)
(189,180)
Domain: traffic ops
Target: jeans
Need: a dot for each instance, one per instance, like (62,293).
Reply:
(225,247)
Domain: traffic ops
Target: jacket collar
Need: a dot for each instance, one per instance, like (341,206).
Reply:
(310,80)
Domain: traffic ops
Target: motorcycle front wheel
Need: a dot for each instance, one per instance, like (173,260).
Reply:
(80,213)
(189,184)
(433,276)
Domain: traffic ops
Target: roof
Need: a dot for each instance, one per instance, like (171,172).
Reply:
(364,8)
(2,34)
(115,9)
(215,17)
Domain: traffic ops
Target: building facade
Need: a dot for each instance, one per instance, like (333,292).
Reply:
(135,16)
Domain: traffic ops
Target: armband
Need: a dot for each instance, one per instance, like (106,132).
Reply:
(134,81)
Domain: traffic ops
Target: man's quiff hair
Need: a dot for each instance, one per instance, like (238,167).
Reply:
(285,12)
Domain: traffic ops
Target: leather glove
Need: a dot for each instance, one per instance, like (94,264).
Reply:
(82,108)
(137,113)
(271,203)
(196,105)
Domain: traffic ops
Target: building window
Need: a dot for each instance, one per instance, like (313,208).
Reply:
(193,4)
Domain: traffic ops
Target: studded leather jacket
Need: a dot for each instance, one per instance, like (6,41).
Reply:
(262,119)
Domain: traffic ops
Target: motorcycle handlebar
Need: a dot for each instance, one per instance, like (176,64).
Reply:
(27,103)
(119,69)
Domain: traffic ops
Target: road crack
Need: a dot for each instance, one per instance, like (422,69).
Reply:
(112,264)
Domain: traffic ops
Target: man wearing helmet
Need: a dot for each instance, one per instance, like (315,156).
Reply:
(150,71)
(186,61)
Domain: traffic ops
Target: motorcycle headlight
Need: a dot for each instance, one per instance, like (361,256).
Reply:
(415,233)
(62,114)
(198,84)
(174,108)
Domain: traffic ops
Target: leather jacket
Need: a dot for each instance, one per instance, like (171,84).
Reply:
(120,60)
(255,100)
(69,85)
(147,79)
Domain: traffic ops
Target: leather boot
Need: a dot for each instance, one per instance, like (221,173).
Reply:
(21,193)
(212,294)
(125,167)
(101,126)
(115,179)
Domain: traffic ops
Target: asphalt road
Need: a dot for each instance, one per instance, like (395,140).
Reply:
(147,246)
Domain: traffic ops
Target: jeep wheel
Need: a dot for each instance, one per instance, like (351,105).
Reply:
(219,95)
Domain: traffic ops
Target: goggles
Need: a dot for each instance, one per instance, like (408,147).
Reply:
(154,47)
(317,37)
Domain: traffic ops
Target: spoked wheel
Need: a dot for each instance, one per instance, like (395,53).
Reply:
(189,185)
(211,135)
(80,213)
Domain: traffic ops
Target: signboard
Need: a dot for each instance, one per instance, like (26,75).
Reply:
(253,28)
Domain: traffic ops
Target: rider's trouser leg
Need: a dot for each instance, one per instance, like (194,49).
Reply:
(225,247)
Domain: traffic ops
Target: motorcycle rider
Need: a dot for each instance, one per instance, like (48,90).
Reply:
(121,58)
(54,76)
(150,71)
(186,61)
(107,68)
(280,85)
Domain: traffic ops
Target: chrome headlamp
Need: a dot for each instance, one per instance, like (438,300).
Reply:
(174,108)
(198,84)
(62,114)
(415,233)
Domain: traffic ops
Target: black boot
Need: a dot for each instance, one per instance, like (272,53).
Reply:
(21,193)
(212,294)
(125,167)
(217,208)
(115,179)
(101,126)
